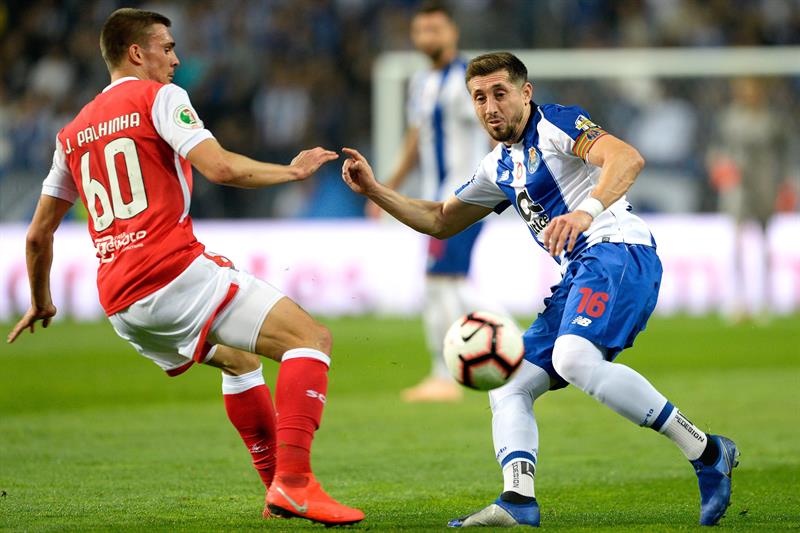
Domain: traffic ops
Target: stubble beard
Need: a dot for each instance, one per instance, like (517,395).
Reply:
(507,134)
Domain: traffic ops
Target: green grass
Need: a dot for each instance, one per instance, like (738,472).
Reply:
(94,437)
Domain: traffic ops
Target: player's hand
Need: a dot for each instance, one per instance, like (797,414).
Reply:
(309,161)
(357,173)
(44,313)
(563,231)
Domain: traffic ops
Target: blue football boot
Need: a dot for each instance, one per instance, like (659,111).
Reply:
(715,481)
(501,514)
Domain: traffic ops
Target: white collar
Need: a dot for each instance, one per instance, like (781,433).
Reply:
(121,80)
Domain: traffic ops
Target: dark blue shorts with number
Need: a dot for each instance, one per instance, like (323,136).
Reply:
(605,296)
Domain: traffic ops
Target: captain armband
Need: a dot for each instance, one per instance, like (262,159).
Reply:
(586,140)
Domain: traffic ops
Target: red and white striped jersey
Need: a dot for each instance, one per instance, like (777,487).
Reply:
(125,156)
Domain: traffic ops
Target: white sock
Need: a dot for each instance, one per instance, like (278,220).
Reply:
(518,477)
(443,305)
(625,391)
(514,430)
(239,384)
(681,431)
(582,364)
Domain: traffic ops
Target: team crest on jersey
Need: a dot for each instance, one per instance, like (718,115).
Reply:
(185,117)
(533,160)
(582,123)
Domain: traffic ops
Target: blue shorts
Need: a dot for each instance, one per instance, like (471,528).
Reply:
(453,256)
(606,296)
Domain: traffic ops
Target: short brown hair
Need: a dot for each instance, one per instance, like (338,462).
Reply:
(434,6)
(125,27)
(486,64)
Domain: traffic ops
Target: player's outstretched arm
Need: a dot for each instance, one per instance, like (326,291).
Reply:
(620,163)
(39,257)
(438,219)
(228,168)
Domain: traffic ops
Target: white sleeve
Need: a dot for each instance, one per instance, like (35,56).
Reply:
(59,182)
(176,121)
(481,188)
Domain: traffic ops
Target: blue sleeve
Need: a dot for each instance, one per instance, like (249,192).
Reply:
(572,120)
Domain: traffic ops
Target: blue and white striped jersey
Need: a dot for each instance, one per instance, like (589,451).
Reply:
(451,140)
(545,175)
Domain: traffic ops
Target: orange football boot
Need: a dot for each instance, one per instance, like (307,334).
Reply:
(309,502)
(265,513)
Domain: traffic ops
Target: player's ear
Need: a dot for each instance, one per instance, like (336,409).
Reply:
(135,54)
(527,90)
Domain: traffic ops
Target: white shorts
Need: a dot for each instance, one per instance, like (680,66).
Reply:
(209,298)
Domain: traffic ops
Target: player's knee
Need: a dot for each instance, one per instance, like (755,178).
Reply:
(575,358)
(234,362)
(504,399)
(322,338)
(570,366)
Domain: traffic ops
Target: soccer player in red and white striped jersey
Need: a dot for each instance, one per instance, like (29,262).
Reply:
(128,156)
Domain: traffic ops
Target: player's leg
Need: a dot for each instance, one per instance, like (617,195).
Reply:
(263,321)
(303,346)
(515,433)
(444,302)
(514,430)
(628,393)
(249,407)
(516,442)
(618,314)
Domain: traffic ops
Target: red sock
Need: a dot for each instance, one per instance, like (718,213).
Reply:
(300,396)
(252,414)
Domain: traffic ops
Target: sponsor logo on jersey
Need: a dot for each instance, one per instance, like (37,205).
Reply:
(583,123)
(582,321)
(108,246)
(532,213)
(533,160)
(185,117)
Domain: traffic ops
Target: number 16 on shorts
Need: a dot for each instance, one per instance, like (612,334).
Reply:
(591,305)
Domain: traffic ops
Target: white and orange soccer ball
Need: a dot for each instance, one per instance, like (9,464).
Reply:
(483,350)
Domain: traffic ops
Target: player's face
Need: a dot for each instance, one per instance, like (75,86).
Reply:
(159,59)
(433,34)
(500,104)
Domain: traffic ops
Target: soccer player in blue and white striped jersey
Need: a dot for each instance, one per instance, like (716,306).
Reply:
(566,177)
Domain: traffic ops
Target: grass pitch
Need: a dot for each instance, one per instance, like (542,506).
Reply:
(93,437)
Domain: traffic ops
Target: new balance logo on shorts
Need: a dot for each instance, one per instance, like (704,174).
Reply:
(582,321)
(314,394)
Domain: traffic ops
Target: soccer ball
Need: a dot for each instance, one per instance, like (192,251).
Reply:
(482,350)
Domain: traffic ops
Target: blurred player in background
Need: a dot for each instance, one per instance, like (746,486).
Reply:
(747,163)
(447,141)
(567,178)
(128,156)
